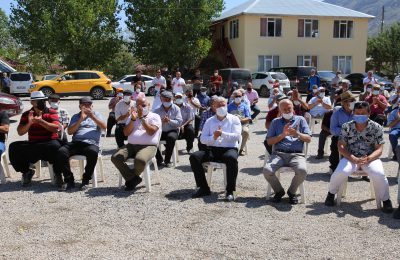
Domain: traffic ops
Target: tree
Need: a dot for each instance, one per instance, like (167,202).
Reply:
(82,34)
(385,49)
(6,41)
(171,32)
(123,63)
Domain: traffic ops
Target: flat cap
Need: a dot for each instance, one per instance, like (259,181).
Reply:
(167,94)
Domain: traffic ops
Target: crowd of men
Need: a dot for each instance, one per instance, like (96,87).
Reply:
(222,127)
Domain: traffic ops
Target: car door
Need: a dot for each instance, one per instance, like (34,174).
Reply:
(256,80)
(66,83)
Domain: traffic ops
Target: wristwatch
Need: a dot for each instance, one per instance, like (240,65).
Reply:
(142,120)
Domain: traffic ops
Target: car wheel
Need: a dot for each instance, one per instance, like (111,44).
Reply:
(97,93)
(264,91)
(47,91)
(151,91)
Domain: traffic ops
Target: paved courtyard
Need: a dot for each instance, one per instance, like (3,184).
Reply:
(108,223)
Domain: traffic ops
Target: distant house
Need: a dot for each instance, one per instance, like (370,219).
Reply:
(261,34)
(5,67)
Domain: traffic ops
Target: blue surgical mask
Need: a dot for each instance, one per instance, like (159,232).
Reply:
(360,119)
(167,104)
(179,101)
(375,92)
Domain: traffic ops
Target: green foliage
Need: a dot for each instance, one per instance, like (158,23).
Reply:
(82,34)
(385,50)
(123,63)
(171,32)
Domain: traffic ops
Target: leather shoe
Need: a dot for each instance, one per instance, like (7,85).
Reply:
(201,193)
(131,185)
(292,198)
(330,200)
(396,214)
(278,196)
(387,206)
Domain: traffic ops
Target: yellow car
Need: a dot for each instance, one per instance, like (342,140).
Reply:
(76,83)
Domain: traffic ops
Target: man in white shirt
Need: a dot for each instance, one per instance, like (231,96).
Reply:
(143,129)
(178,83)
(221,133)
(122,112)
(319,104)
(158,82)
(370,79)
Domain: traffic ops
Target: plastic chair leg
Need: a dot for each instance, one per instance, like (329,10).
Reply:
(302,193)
(146,176)
(2,174)
(51,173)
(101,169)
(340,193)
(94,178)
(4,163)
(81,168)
(209,174)
(120,181)
(38,168)
(156,172)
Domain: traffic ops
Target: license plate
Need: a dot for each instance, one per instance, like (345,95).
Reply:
(283,84)
(20,87)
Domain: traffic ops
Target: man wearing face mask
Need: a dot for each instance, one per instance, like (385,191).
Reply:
(171,119)
(361,144)
(313,93)
(320,104)
(252,96)
(194,103)
(63,117)
(394,125)
(216,82)
(364,95)
(341,116)
(143,129)
(221,133)
(239,109)
(85,128)
(370,79)
(287,134)
(378,104)
(272,99)
(111,106)
(122,112)
(137,93)
(41,124)
(186,130)
(344,86)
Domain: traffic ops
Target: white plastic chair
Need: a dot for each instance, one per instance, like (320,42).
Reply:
(289,169)
(147,172)
(4,169)
(175,156)
(343,189)
(210,166)
(312,123)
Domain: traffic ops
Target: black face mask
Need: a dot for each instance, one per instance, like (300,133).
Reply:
(41,104)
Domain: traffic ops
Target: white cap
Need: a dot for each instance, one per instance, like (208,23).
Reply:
(178,94)
(36,95)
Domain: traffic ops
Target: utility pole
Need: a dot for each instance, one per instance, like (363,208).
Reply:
(383,18)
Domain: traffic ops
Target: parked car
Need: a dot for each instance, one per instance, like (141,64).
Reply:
(298,76)
(326,77)
(263,82)
(239,75)
(49,76)
(77,83)
(20,82)
(11,104)
(125,83)
(356,80)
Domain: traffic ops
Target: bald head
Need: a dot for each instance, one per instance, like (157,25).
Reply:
(141,101)
(286,106)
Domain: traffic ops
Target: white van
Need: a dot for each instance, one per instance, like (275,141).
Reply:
(20,82)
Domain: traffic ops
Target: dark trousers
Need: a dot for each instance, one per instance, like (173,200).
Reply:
(119,135)
(170,137)
(188,135)
(334,156)
(380,119)
(267,146)
(91,152)
(197,120)
(227,156)
(24,153)
(201,146)
(256,111)
(321,141)
(110,122)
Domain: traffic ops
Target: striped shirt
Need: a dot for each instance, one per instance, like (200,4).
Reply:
(37,132)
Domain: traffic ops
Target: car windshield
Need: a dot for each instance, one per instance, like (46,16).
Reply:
(279,76)
(326,74)
(50,76)
(121,78)
(20,77)
(379,78)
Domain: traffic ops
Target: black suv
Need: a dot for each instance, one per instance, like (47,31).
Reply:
(298,76)
(241,76)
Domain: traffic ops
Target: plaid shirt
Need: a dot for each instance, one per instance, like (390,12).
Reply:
(63,117)
(206,115)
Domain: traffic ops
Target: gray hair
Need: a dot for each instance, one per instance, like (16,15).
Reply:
(214,98)
(236,92)
(283,101)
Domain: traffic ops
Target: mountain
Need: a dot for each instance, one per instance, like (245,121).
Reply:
(373,7)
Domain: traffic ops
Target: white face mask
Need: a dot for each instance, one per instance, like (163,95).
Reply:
(315,91)
(54,105)
(204,93)
(179,101)
(296,102)
(222,111)
(238,100)
(167,104)
(145,111)
(137,90)
(375,92)
(322,94)
(287,116)
(120,95)
(127,99)
(215,74)
(352,105)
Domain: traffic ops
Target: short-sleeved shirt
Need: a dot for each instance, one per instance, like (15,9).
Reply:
(174,114)
(319,110)
(177,85)
(240,110)
(158,82)
(121,109)
(251,96)
(63,116)
(375,108)
(272,114)
(204,100)
(216,78)
(361,143)
(393,116)
(186,113)
(206,115)
(37,132)
(4,120)
(113,102)
(338,118)
(88,131)
(139,135)
(289,143)
(372,81)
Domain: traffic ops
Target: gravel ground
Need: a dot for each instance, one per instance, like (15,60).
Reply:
(108,223)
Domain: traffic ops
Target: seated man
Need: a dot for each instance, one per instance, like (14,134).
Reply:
(324,134)
(394,125)
(194,103)
(239,109)
(210,112)
(221,133)
(361,144)
(41,124)
(271,115)
(320,104)
(85,128)
(252,95)
(186,130)
(63,117)
(171,118)
(300,106)
(378,104)
(4,127)
(122,112)
(111,106)
(143,129)
(287,134)
(272,99)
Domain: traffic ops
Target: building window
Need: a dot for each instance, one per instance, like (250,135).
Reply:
(307,28)
(307,60)
(270,27)
(266,62)
(234,29)
(343,29)
(342,63)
